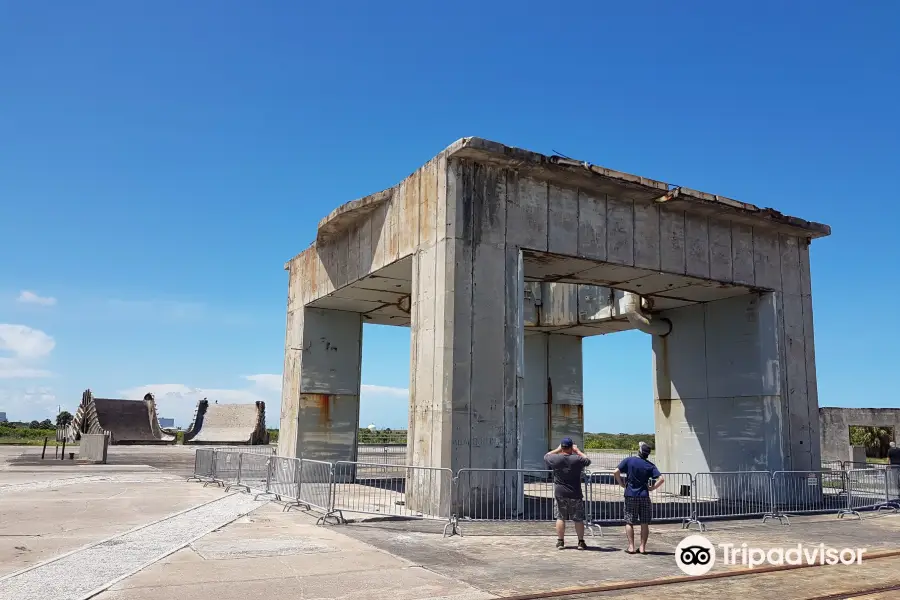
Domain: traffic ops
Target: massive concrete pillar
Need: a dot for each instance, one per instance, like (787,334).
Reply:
(732,390)
(467,337)
(553,402)
(320,393)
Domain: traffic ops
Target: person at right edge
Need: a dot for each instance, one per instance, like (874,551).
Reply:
(638,473)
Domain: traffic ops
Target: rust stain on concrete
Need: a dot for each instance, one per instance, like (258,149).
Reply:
(323,403)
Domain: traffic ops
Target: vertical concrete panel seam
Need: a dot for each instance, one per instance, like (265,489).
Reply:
(547,195)
(753,251)
(470,182)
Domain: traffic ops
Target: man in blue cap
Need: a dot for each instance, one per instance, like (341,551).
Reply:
(638,472)
(568,463)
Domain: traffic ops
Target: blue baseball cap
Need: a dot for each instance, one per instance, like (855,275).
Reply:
(567,442)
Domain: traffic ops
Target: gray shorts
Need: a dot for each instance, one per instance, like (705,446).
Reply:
(638,510)
(570,509)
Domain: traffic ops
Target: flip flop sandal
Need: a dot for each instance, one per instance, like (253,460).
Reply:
(630,552)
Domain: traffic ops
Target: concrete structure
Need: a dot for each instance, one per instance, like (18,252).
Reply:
(835,424)
(857,455)
(501,260)
(124,421)
(93,448)
(165,423)
(232,424)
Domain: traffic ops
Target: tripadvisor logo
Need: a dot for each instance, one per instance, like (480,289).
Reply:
(695,555)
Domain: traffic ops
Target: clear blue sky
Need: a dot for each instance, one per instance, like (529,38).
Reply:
(160,161)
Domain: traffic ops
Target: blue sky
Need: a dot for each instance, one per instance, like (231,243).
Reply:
(159,162)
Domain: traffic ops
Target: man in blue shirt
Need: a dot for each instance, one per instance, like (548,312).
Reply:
(638,472)
(568,463)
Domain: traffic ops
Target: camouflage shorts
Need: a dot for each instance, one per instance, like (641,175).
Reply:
(570,509)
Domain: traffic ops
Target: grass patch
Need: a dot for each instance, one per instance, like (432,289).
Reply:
(616,441)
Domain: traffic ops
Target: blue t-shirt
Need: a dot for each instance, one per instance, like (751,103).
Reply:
(638,472)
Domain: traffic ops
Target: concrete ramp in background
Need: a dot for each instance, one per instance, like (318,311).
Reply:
(124,421)
(231,424)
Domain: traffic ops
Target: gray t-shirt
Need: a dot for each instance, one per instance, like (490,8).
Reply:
(567,470)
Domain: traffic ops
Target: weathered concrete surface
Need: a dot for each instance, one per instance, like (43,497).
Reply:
(271,554)
(125,421)
(320,401)
(233,424)
(93,448)
(835,427)
(454,252)
(518,558)
(43,521)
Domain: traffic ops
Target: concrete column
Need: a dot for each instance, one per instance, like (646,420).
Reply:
(554,398)
(320,393)
(467,342)
(536,403)
(724,389)
(565,385)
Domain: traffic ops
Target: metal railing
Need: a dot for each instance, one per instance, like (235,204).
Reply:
(262,449)
(204,465)
(808,493)
(391,491)
(729,495)
(505,495)
(524,495)
(253,472)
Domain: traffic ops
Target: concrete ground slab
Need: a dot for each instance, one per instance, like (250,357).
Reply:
(287,555)
(38,522)
(494,559)
(800,584)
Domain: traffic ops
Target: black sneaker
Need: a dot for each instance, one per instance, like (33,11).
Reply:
(560,545)
(582,545)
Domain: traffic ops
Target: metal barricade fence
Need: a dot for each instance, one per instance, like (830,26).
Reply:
(869,489)
(832,465)
(736,494)
(263,449)
(284,478)
(808,492)
(316,487)
(673,500)
(605,499)
(226,467)
(204,465)
(504,495)
(892,478)
(392,491)
(253,473)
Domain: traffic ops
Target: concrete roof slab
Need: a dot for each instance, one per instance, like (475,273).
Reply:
(401,269)
(334,303)
(353,292)
(706,292)
(544,266)
(374,282)
(656,282)
(605,274)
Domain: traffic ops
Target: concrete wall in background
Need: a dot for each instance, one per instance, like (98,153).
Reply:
(835,423)
(93,447)
(320,412)
(554,396)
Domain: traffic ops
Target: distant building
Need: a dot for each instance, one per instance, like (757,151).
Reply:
(166,423)
(2,417)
